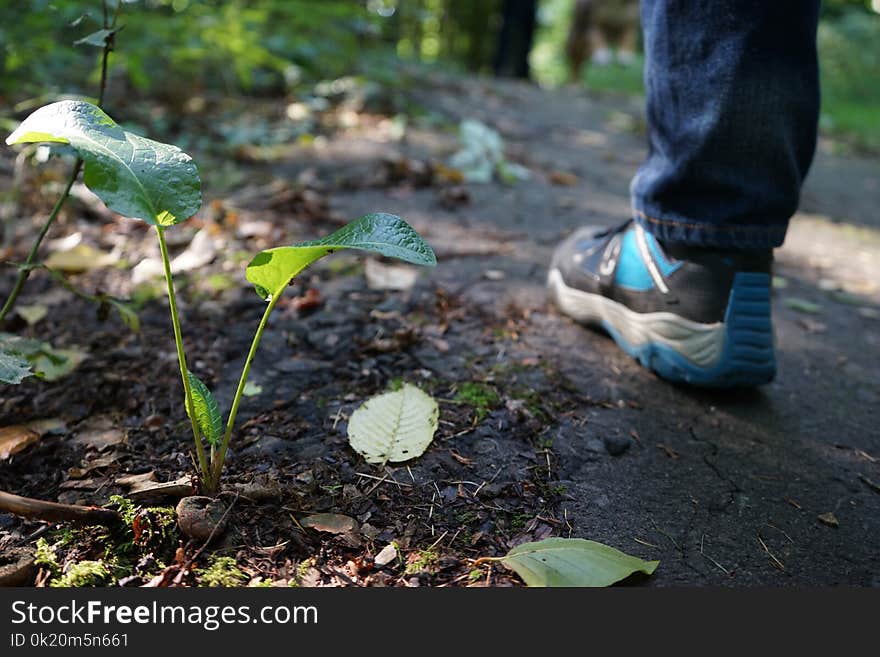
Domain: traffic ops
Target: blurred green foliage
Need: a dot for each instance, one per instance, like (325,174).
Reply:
(849,53)
(171,50)
(167,46)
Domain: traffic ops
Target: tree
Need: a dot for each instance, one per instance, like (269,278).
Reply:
(515,39)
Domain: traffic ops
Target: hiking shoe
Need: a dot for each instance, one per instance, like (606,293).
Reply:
(693,315)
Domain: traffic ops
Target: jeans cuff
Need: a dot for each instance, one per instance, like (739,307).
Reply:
(708,234)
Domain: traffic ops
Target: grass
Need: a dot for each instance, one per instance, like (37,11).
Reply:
(482,397)
(616,77)
(423,561)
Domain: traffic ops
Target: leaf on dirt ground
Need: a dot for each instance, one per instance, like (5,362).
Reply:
(137,480)
(53,364)
(32,314)
(846,298)
(802,305)
(100,433)
(563,178)
(17,353)
(206,410)
(482,155)
(389,277)
(573,562)
(394,426)
(252,389)
(812,326)
(829,519)
(91,465)
(332,523)
(15,438)
(54,425)
(147,270)
(386,234)
(80,258)
(144,486)
(134,176)
(200,252)
(13,366)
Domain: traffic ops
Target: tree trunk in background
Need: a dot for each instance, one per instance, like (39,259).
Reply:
(515,40)
(475,22)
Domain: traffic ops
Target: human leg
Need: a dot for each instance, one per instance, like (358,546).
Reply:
(732,96)
(732,105)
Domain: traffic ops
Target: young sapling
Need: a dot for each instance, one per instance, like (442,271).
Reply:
(159,184)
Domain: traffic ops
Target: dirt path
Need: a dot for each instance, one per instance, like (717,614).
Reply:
(575,439)
(723,488)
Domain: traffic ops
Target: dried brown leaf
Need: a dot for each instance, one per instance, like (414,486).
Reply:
(333,523)
(15,438)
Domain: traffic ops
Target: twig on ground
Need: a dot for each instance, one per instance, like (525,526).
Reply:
(710,559)
(382,480)
(28,507)
(776,562)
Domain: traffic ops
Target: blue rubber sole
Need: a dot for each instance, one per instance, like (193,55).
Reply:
(748,357)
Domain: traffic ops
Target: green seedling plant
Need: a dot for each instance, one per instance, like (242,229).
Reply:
(159,184)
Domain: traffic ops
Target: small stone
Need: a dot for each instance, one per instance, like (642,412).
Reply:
(829,519)
(594,445)
(616,445)
(17,566)
(386,556)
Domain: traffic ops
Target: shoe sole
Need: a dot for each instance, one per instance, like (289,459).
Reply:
(736,352)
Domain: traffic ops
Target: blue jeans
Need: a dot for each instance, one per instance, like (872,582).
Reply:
(732,91)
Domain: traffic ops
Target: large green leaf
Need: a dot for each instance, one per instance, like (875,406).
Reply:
(134,176)
(573,562)
(207,411)
(386,234)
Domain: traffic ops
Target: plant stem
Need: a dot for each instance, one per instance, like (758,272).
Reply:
(181,359)
(25,271)
(217,463)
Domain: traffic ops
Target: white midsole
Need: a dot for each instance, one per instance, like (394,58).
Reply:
(702,344)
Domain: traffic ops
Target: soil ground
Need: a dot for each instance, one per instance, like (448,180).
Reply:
(546,428)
